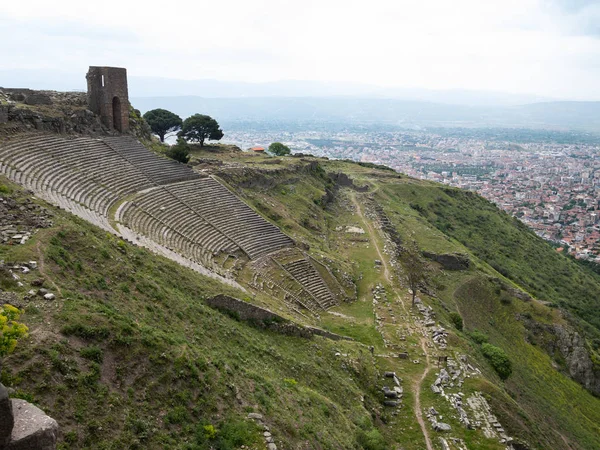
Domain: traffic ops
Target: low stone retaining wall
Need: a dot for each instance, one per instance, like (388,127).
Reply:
(267,319)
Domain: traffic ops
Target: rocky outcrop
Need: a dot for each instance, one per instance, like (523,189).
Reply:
(24,426)
(564,341)
(449,261)
(572,346)
(58,112)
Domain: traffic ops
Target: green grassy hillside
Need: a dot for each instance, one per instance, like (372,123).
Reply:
(128,356)
(509,247)
(539,402)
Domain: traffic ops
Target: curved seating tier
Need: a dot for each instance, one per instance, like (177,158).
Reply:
(303,271)
(218,206)
(167,203)
(92,172)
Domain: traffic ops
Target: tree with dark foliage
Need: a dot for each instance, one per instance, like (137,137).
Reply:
(279,149)
(163,122)
(413,267)
(200,127)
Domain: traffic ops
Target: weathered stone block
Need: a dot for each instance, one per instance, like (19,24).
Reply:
(33,429)
(38,98)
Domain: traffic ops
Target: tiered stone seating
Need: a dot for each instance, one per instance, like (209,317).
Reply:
(179,211)
(164,233)
(282,284)
(163,206)
(159,170)
(33,163)
(226,212)
(304,272)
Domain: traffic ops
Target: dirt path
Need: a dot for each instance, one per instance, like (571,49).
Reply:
(416,389)
(386,270)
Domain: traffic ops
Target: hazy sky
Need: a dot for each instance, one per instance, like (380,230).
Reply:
(544,47)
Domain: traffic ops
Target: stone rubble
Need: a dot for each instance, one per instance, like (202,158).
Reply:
(393,396)
(260,420)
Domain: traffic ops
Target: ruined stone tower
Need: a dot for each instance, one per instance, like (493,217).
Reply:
(108,96)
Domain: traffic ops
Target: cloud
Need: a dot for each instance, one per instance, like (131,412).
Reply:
(545,47)
(80,30)
(573,6)
(576,17)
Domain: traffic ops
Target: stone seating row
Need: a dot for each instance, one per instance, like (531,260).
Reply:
(164,206)
(282,280)
(229,214)
(39,172)
(165,229)
(303,271)
(159,170)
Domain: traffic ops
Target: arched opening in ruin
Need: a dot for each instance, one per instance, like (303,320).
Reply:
(117,116)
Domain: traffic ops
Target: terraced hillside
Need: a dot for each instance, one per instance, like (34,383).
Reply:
(467,306)
(118,185)
(129,356)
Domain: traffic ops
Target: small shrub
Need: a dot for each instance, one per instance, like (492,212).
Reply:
(177,415)
(290,382)
(85,331)
(498,360)
(10,329)
(93,353)
(478,336)
(236,433)
(456,320)
(180,151)
(230,435)
(209,432)
(505,299)
(371,440)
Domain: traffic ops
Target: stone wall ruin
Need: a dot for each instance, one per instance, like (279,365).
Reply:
(108,96)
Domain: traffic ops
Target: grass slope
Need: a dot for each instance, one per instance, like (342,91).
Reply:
(130,357)
(538,403)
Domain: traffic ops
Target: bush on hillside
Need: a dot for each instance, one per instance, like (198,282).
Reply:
(10,329)
(180,151)
(279,149)
(230,435)
(456,320)
(371,440)
(498,359)
(478,336)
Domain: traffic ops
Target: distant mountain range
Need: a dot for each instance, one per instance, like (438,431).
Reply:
(328,102)
(582,116)
(207,88)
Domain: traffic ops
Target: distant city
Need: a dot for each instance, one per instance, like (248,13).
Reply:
(549,180)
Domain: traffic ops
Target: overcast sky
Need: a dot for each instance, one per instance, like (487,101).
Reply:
(544,47)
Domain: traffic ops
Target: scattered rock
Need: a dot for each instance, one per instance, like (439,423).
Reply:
(441,426)
(33,429)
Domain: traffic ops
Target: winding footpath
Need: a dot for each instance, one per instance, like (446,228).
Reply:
(416,388)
